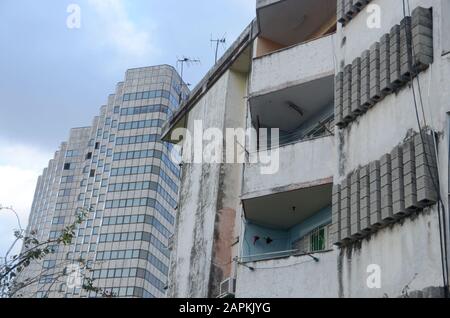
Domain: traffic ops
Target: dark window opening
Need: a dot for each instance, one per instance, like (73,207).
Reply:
(89,156)
(67,166)
(92,174)
(97,145)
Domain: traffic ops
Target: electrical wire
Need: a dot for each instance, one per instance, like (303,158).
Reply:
(275,267)
(441,214)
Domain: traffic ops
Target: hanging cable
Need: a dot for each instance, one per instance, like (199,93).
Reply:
(441,214)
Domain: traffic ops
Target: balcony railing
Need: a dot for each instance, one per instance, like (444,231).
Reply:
(293,65)
(317,241)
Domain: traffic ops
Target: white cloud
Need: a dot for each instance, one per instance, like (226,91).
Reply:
(20,166)
(118,31)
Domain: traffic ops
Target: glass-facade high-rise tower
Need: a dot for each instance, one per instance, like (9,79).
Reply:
(120,170)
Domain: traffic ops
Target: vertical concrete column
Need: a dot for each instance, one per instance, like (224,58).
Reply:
(385,66)
(375,194)
(336,215)
(350,10)
(394,41)
(406,49)
(366,102)
(426,170)
(364,205)
(386,189)
(345,225)
(356,87)
(359,4)
(355,207)
(422,38)
(347,94)
(375,92)
(341,17)
(338,99)
(409,177)
(398,186)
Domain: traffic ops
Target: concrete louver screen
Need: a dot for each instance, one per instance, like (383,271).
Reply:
(347,94)
(402,182)
(356,87)
(338,97)
(386,67)
(366,101)
(348,9)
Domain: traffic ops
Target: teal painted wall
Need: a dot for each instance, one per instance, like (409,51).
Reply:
(282,240)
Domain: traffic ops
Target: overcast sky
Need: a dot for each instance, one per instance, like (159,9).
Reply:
(53,78)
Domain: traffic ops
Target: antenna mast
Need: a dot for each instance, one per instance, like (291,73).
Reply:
(217,43)
(182,61)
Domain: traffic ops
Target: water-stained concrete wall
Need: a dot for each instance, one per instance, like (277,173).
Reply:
(202,257)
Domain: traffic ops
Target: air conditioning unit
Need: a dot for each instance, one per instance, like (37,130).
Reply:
(228,288)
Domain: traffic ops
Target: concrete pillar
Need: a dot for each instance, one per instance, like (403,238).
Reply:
(364,205)
(359,4)
(356,87)
(426,170)
(385,69)
(398,187)
(354,205)
(375,92)
(406,69)
(338,100)
(345,225)
(366,102)
(394,40)
(375,195)
(422,38)
(386,189)
(347,94)
(409,177)
(341,17)
(350,10)
(336,215)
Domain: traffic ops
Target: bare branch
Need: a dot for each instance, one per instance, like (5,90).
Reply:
(15,213)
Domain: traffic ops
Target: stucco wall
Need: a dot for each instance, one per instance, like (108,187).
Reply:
(191,258)
(208,200)
(293,277)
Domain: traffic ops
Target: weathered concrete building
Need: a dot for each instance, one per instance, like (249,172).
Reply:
(358,206)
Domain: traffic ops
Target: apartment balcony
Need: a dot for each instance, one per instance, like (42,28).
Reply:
(290,67)
(296,276)
(285,229)
(293,90)
(295,165)
(283,23)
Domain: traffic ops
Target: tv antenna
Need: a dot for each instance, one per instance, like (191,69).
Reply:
(217,42)
(182,61)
